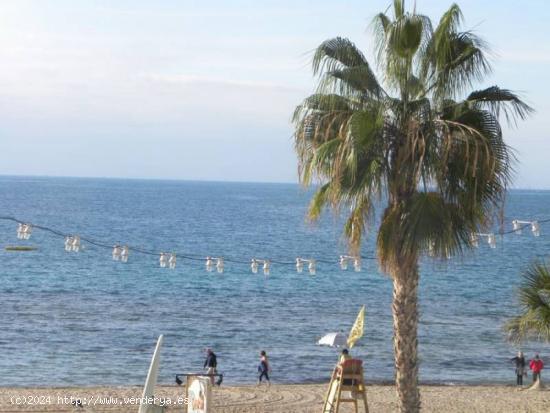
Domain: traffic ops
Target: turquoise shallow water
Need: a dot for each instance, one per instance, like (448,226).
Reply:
(80,318)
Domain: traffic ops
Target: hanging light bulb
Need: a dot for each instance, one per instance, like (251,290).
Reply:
(343,262)
(267,267)
(172,261)
(75,244)
(492,240)
(299,265)
(516,226)
(116,253)
(72,244)
(219,265)
(28,231)
(163,260)
(357,264)
(311,267)
(124,254)
(68,243)
(24,231)
(474,240)
(535,228)
(209,264)
(254,266)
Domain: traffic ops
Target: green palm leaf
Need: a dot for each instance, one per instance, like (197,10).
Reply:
(533,323)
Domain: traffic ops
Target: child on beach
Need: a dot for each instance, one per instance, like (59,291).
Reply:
(264,368)
(536,365)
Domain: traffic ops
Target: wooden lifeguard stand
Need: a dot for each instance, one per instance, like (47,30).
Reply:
(346,377)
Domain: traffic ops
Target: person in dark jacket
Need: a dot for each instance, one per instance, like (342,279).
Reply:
(211,364)
(519,361)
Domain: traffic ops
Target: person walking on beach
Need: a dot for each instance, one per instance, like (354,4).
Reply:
(264,368)
(536,365)
(519,361)
(211,364)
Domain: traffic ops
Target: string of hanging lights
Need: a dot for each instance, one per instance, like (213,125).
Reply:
(210,264)
(344,259)
(491,239)
(518,226)
(310,265)
(73,243)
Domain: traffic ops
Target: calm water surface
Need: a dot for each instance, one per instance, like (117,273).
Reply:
(82,319)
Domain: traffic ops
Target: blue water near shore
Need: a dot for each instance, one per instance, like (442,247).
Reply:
(82,319)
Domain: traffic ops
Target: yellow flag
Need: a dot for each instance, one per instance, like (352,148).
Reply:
(356,331)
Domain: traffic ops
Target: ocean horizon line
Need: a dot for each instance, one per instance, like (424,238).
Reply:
(196,180)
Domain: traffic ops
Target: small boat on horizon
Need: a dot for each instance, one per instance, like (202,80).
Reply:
(20,248)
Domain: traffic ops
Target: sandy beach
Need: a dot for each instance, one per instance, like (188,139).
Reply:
(278,398)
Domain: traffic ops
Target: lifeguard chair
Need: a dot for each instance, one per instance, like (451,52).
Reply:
(346,377)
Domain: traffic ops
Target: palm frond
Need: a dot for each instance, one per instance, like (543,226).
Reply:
(533,323)
(318,202)
(405,35)
(358,81)
(449,22)
(398,8)
(453,60)
(498,100)
(380,26)
(426,222)
(360,212)
(337,53)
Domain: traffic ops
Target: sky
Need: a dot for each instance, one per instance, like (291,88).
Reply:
(204,90)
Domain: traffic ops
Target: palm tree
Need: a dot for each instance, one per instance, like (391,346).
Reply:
(534,297)
(414,142)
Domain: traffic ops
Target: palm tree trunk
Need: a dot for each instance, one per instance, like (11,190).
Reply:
(405,341)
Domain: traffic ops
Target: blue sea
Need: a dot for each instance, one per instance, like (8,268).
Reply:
(83,319)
